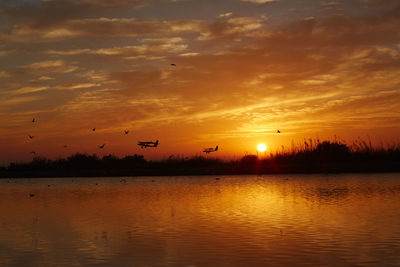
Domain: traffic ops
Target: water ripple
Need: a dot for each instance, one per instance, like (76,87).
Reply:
(302,220)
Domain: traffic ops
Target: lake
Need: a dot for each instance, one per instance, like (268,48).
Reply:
(270,220)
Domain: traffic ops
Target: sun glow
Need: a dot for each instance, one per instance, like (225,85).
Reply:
(261,147)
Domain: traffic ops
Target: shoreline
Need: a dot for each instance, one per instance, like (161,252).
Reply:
(326,157)
(38,175)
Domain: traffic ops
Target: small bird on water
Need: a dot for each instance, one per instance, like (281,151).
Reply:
(31,136)
(102,146)
(33,120)
(31,195)
(94,129)
(126,132)
(278,131)
(173,64)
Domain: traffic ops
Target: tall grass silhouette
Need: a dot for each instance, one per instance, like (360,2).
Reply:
(312,156)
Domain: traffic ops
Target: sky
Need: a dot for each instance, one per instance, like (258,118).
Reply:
(244,69)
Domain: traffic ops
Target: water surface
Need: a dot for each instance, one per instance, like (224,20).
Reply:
(276,220)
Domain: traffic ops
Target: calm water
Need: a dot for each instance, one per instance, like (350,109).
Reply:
(336,220)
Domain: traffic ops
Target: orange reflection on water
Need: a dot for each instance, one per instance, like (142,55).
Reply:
(282,220)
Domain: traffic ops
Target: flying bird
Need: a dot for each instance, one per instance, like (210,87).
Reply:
(126,132)
(102,146)
(94,129)
(31,136)
(173,64)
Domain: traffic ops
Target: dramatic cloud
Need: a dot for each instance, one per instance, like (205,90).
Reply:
(232,77)
(99,27)
(147,48)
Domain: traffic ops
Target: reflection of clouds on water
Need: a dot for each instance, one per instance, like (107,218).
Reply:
(288,220)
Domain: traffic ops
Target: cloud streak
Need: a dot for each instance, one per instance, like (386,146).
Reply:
(238,76)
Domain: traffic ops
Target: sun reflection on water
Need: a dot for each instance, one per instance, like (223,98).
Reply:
(200,220)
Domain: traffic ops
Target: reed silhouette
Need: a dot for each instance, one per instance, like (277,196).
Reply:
(312,156)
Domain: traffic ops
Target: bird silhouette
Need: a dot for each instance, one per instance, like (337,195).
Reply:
(126,132)
(31,136)
(173,64)
(102,146)
(31,195)
(278,131)
(94,129)
(33,120)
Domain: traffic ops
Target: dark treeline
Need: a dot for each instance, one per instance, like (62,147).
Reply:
(312,157)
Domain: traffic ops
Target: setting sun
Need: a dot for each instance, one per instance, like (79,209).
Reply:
(261,147)
(219,125)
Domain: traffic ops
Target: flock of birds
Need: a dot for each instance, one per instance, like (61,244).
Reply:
(93,130)
(140,143)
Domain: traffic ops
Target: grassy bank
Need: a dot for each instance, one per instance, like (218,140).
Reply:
(312,157)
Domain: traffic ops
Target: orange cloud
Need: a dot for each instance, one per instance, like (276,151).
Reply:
(236,77)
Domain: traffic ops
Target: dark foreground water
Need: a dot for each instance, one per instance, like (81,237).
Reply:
(309,220)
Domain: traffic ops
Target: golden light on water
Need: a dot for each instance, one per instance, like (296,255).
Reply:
(290,210)
(261,147)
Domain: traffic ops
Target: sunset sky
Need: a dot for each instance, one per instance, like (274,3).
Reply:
(244,68)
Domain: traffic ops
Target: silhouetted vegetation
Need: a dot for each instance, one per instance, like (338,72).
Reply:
(312,157)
